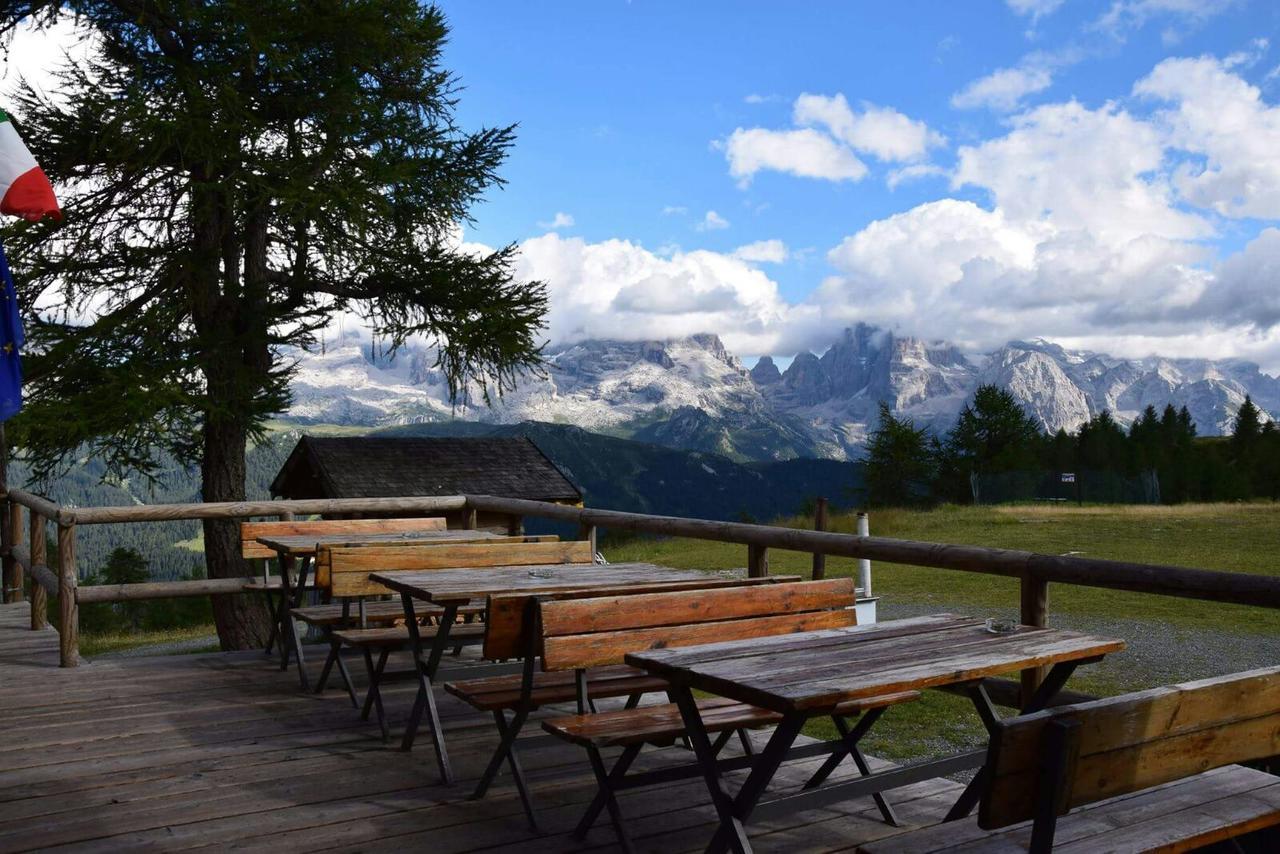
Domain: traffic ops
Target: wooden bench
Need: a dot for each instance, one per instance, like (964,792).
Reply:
(1149,771)
(591,632)
(580,641)
(252,550)
(346,572)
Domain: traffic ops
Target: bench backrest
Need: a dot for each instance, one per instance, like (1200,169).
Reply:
(1124,744)
(250,531)
(507,615)
(580,633)
(345,569)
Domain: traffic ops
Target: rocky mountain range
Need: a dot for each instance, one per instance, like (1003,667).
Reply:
(693,394)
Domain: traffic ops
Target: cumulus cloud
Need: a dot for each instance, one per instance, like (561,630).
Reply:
(828,138)
(763,252)
(619,289)
(914,172)
(560,220)
(1002,90)
(1233,134)
(882,132)
(712,221)
(805,153)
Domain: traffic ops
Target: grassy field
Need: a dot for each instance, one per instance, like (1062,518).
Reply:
(1236,537)
(1162,631)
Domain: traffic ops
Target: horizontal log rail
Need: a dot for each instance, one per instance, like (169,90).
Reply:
(1034,571)
(1234,587)
(158,590)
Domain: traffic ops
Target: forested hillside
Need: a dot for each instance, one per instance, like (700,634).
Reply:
(615,473)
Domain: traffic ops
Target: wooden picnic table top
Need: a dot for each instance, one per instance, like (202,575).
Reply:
(466,583)
(303,545)
(816,671)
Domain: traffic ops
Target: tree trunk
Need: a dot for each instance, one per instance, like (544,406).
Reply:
(243,622)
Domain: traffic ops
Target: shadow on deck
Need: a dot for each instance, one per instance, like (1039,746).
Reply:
(223,750)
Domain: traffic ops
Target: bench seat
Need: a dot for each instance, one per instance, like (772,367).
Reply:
(398,636)
(662,724)
(493,693)
(1178,816)
(374,612)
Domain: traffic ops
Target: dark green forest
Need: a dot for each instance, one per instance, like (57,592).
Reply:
(996,452)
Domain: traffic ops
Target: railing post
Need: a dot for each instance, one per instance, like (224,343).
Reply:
(820,524)
(757,561)
(1035,612)
(588,533)
(69,611)
(470,519)
(515,525)
(7,562)
(39,557)
(864,564)
(16,573)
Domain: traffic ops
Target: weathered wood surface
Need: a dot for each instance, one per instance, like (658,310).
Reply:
(664,723)
(818,670)
(248,509)
(1139,740)
(459,585)
(252,533)
(590,632)
(346,570)
(504,626)
(1179,816)
(222,751)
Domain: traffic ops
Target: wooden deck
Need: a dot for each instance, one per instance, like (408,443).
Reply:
(223,750)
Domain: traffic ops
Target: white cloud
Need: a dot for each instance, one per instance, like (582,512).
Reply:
(1233,135)
(674,210)
(763,252)
(1036,9)
(882,132)
(1003,89)
(560,220)
(618,289)
(914,172)
(805,153)
(712,221)
(1124,16)
(1091,170)
(36,55)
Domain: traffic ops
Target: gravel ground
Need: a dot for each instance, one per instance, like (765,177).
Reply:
(1158,654)
(181,647)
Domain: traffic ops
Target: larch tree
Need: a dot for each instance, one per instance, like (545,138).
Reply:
(232,175)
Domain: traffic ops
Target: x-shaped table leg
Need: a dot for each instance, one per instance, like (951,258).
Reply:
(734,812)
(426,700)
(1052,684)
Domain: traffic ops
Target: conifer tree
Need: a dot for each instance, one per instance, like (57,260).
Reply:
(235,173)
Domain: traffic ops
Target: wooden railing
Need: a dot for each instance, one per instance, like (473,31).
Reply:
(1034,571)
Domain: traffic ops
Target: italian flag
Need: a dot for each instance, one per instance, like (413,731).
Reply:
(24,189)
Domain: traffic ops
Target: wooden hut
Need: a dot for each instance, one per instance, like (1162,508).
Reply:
(376,467)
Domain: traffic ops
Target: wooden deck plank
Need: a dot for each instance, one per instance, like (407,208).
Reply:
(221,750)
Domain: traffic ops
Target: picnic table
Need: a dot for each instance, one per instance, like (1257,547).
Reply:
(303,548)
(451,589)
(808,675)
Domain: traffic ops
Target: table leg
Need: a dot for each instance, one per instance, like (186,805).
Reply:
(697,733)
(425,700)
(849,744)
(1052,684)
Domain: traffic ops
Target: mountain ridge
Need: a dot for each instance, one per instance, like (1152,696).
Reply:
(693,394)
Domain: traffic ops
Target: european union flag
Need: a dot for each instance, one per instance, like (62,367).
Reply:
(11,342)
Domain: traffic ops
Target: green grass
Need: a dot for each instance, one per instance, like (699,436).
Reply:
(92,644)
(1235,537)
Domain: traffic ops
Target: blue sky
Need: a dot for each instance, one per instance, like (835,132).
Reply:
(627,111)
(1101,173)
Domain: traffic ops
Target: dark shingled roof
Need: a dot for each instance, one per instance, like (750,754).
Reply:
(362,467)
